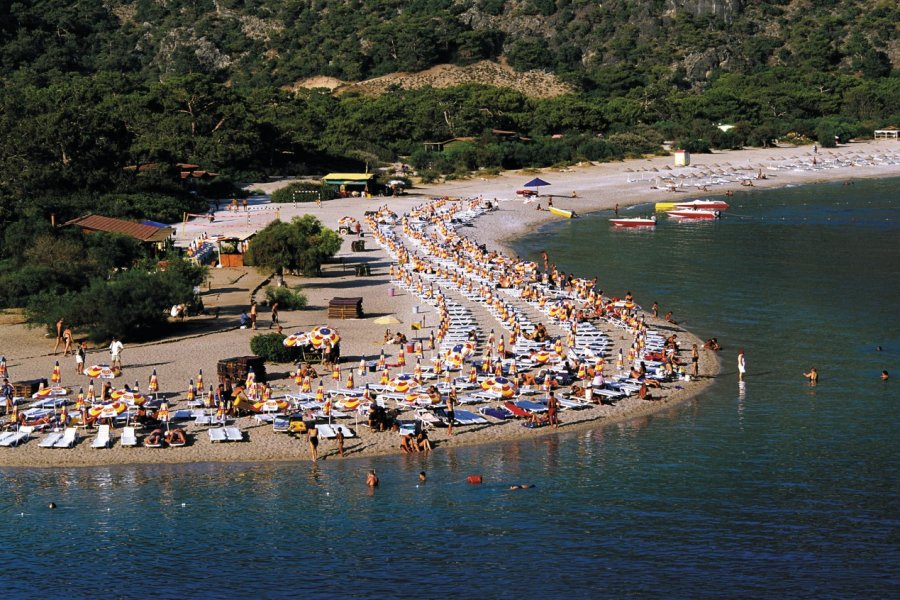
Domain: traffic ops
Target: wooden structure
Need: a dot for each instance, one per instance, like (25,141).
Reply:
(236,369)
(27,388)
(345,308)
(888,133)
(147,234)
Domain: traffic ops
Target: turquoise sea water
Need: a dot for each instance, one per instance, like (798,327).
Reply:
(768,490)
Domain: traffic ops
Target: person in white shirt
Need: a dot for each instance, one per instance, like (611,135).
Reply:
(115,353)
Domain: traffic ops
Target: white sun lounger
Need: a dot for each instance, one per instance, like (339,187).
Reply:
(5,436)
(234,434)
(326,431)
(50,439)
(103,439)
(217,434)
(348,433)
(17,437)
(129,439)
(68,439)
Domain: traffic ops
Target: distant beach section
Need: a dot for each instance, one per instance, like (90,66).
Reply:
(439,273)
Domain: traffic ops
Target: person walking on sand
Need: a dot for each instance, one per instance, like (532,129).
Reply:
(742,365)
(68,340)
(80,354)
(813,376)
(59,335)
(274,315)
(115,353)
(253,314)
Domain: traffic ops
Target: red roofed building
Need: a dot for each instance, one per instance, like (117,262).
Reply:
(148,234)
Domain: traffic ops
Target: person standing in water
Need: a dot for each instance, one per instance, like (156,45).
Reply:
(742,365)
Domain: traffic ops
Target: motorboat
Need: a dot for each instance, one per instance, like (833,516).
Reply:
(709,204)
(694,214)
(634,221)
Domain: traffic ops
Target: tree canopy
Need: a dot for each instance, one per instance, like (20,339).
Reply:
(302,245)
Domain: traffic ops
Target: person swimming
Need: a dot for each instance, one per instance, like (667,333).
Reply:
(521,486)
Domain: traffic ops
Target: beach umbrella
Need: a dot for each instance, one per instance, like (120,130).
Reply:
(336,372)
(91,395)
(298,378)
(350,403)
(107,411)
(537,182)
(307,385)
(191,392)
(51,391)
(56,375)
(64,416)
(153,385)
(385,377)
(200,380)
(320,392)
(220,411)
(542,357)
(296,339)
(101,372)
(448,377)
(417,372)
(401,357)
(361,370)
(387,320)
(558,346)
(499,386)
(582,371)
(402,383)
(129,397)
(382,360)
(271,405)
(251,377)
(320,336)
(498,368)
(3,370)
(350,383)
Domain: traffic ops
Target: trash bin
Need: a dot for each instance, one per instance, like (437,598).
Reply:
(358,246)
(391,292)
(362,270)
(410,348)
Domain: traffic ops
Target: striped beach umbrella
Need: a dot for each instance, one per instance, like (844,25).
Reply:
(361,369)
(251,377)
(91,394)
(582,371)
(350,383)
(558,346)
(320,336)
(401,357)
(382,360)
(209,399)
(220,411)
(270,405)
(2,367)
(191,392)
(56,375)
(349,404)
(320,392)
(200,380)
(163,413)
(102,372)
(499,386)
(107,411)
(473,375)
(306,387)
(296,339)
(402,383)
(47,392)
(153,384)
(542,357)
(336,372)
(129,397)
(385,377)
(417,372)
(498,369)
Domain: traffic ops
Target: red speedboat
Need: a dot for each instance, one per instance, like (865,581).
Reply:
(694,214)
(634,221)
(705,204)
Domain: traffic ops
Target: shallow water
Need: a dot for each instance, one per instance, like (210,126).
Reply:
(771,489)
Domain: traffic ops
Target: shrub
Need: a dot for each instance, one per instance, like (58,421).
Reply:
(270,346)
(286,298)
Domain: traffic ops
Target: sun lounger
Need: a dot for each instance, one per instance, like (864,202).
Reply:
(348,433)
(465,417)
(217,434)
(535,407)
(129,439)
(50,439)
(234,434)
(176,444)
(68,439)
(326,431)
(6,435)
(18,437)
(496,412)
(103,439)
(570,403)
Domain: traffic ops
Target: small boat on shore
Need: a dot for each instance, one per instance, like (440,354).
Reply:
(559,212)
(694,214)
(704,204)
(634,221)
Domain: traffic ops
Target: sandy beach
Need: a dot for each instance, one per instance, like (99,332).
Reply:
(203,340)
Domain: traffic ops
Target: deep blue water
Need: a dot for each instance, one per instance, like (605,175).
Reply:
(768,490)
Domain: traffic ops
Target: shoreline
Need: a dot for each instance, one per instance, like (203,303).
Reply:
(178,359)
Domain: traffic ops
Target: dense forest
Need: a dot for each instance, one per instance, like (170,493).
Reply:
(99,102)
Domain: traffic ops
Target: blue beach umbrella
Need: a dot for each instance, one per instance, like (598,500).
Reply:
(536,183)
